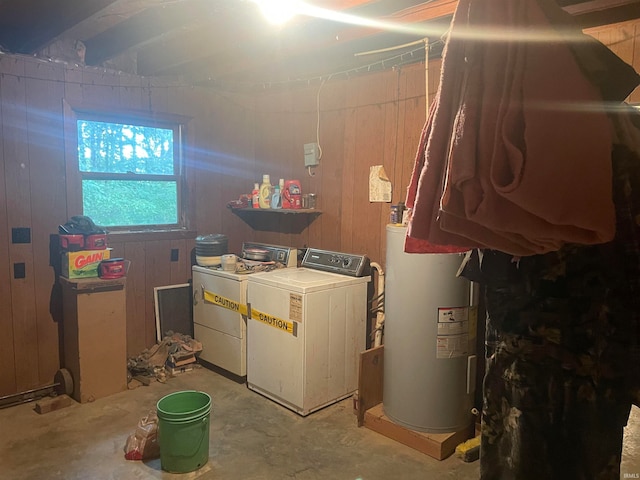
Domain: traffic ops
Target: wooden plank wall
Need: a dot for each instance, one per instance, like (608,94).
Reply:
(363,121)
(624,40)
(369,120)
(374,119)
(33,96)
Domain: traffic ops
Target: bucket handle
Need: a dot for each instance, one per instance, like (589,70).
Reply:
(203,425)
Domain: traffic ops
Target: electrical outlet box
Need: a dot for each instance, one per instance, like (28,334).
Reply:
(311,154)
(21,235)
(19,270)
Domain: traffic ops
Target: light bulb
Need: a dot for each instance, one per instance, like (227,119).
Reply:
(278,11)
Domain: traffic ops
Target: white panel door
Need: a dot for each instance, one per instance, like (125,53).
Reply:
(221,331)
(214,316)
(274,356)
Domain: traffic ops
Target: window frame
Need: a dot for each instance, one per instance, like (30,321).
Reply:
(178,123)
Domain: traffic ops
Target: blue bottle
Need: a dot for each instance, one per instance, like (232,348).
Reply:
(276,198)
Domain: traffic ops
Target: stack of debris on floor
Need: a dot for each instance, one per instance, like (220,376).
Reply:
(175,354)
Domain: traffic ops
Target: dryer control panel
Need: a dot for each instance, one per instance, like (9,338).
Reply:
(287,256)
(336,262)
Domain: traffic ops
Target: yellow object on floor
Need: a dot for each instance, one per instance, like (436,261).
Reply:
(469,451)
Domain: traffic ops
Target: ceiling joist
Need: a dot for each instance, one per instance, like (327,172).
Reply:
(229,39)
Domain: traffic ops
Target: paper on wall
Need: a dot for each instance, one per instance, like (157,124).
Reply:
(379,184)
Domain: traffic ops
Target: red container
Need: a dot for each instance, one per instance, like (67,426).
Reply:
(112,268)
(96,241)
(292,195)
(71,243)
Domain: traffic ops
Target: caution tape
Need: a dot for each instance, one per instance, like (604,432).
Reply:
(279,323)
(271,320)
(225,302)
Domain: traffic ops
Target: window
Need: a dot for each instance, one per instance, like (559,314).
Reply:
(128,171)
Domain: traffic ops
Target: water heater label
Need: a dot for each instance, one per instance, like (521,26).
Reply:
(453,332)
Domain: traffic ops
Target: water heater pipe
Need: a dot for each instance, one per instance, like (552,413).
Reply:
(377,332)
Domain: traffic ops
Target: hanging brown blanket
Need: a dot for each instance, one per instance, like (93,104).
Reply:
(516,152)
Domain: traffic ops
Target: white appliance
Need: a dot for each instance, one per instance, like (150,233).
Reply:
(307,330)
(429,339)
(220,307)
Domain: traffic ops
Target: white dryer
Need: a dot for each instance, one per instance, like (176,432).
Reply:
(306,330)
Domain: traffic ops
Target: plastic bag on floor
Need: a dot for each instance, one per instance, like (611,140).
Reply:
(143,443)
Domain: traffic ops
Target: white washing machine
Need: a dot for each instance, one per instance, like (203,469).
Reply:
(220,307)
(306,330)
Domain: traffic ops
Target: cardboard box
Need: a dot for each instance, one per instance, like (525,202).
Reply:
(83,263)
(95,336)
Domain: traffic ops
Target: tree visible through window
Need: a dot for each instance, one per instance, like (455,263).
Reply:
(129,173)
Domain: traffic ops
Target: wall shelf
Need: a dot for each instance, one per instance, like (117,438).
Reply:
(277,211)
(277,220)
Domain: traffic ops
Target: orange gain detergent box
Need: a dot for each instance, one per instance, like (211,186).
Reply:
(83,263)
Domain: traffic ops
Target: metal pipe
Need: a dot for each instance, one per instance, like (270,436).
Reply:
(377,332)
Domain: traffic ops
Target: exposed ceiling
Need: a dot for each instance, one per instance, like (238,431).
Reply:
(229,41)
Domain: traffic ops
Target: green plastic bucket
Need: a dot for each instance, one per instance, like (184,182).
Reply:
(183,430)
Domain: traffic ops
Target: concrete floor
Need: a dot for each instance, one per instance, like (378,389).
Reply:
(252,438)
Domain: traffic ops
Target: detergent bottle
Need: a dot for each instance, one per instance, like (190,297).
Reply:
(292,194)
(264,196)
(276,199)
(255,195)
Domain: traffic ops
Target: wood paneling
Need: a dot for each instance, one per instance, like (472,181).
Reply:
(7,360)
(365,121)
(224,167)
(157,271)
(233,138)
(329,177)
(624,40)
(35,96)
(380,120)
(136,299)
(48,198)
(18,201)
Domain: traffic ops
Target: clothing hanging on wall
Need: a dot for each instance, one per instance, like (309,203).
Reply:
(563,360)
(522,157)
(516,151)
